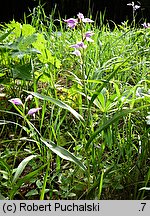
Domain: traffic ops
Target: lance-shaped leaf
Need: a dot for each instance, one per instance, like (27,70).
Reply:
(25,179)
(58,103)
(3,36)
(21,167)
(63,153)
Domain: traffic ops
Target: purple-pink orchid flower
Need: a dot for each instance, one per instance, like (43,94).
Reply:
(87,20)
(84,20)
(79,45)
(34,110)
(76,52)
(146,25)
(71,22)
(29,98)
(135,7)
(16,101)
(88,36)
(80,16)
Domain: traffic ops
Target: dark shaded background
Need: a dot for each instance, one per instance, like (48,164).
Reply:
(116,10)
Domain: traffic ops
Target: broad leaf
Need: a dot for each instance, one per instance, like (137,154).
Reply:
(27,41)
(22,72)
(27,30)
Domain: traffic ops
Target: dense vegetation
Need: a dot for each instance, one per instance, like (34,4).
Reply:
(74,109)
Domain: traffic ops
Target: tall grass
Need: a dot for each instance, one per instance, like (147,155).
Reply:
(91,138)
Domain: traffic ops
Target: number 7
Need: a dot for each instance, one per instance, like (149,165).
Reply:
(144,204)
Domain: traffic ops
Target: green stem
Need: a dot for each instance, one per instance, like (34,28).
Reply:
(101,184)
(46,176)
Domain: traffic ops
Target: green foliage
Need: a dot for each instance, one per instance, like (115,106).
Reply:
(90,137)
(21,167)
(58,103)
(23,72)
(25,45)
(63,153)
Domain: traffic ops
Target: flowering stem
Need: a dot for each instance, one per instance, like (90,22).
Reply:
(133,17)
(19,111)
(34,83)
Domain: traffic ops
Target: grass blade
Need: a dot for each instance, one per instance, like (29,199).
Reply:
(108,79)
(111,121)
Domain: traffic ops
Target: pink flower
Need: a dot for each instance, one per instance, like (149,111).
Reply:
(88,36)
(16,101)
(80,16)
(76,52)
(79,45)
(146,25)
(135,7)
(71,23)
(29,98)
(87,20)
(33,111)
